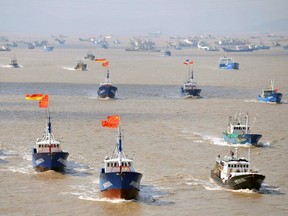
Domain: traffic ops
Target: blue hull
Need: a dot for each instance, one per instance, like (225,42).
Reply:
(45,161)
(107,91)
(272,98)
(243,139)
(190,92)
(232,66)
(125,185)
(237,50)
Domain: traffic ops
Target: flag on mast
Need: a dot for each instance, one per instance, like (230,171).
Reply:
(101,60)
(105,64)
(111,122)
(43,103)
(34,96)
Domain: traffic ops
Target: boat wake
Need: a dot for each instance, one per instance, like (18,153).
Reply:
(77,169)
(261,102)
(268,189)
(148,194)
(221,142)
(24,169)
(152,195)
(69,68)
(10,66)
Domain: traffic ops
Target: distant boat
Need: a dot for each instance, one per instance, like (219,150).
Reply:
(13,62)
(48,154)
(234,172)
(228,63)
(239,131)
(106,89)
(80,66)
(167,53)
(238,49)
(118,178)
(90,56)
(48,48)
(31,45)
(189,88)
(205,46)
(5,48)
(270,94)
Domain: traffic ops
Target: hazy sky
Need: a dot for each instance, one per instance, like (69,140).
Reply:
(142,16)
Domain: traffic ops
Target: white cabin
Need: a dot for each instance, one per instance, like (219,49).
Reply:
(118,164)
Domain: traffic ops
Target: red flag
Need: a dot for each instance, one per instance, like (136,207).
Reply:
(43,103)
(111,122)
(34,96)
(105,64)
(101,60)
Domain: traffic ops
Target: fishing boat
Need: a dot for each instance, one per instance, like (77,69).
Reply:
(270,94)
(238,49)
(234,172)
(106,89)
(189,88)
(13,62)
(4,48)
(90,56)
(48,155)
(80,66)
(239,131)
(48,48)
(227,63)
(167,53)
(118,178)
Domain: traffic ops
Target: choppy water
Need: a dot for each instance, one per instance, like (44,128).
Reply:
(173,140)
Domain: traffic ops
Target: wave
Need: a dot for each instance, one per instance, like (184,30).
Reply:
(69,68)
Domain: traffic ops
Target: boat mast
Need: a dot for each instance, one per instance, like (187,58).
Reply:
(119,148)
(247,122)
(107,77)
(190,74)
(49,129)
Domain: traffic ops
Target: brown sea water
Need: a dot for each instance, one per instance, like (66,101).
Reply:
(174,141)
